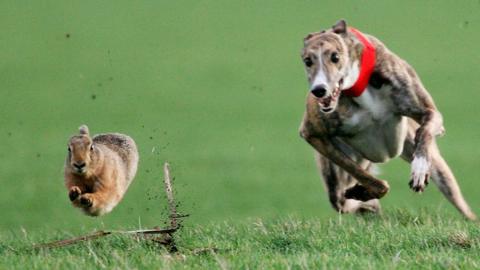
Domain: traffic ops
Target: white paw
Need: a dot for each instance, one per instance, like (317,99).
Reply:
(420,173)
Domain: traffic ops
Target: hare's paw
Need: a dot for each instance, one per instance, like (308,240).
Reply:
(74,192)
(86,200)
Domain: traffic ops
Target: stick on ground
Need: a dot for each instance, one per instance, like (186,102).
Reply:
(169,191)
(66,242)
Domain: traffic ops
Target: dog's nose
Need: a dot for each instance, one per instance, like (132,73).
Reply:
(80,165)
(319,91)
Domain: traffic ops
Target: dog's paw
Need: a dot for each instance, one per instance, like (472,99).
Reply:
(361,193)
(74,193)
(358,192)
(420,174)
(86,201)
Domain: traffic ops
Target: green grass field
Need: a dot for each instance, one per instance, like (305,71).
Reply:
(399,240)
(217,88)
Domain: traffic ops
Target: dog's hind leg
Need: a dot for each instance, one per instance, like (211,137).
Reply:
(337,182)
(446,182)
(441,175)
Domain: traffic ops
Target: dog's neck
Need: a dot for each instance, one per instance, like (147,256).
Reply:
(352,72)
(362,65)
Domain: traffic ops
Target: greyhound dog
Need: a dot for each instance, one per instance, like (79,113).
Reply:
(366,105)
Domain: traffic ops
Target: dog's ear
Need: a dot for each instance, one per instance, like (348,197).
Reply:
(340,27)
(309,36)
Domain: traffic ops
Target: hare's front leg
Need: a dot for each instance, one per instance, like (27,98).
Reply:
(97,203)
(74,192)
(87,200)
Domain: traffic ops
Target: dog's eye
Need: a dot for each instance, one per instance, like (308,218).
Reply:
(334,57)
(91,147)
(308,62)
(69,149)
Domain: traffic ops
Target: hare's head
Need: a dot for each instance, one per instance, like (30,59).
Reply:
(80,151)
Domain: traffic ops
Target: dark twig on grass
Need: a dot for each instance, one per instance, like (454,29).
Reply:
(71,241)
(147,231)
(166,235)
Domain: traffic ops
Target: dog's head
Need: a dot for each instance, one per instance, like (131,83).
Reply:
(327,63)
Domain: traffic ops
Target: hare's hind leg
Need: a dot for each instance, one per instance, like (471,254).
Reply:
(338,182)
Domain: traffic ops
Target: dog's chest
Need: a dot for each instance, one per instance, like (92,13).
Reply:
(373,108)
(370,125)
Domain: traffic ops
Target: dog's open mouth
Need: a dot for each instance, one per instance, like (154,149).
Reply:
(328,103)
(328,100)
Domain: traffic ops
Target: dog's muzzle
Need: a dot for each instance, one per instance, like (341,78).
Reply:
(319,91)
(326,100)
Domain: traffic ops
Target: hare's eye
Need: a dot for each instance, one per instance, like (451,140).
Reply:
(69,149)
(91,147)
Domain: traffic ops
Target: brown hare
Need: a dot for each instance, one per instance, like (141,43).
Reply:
(99,169)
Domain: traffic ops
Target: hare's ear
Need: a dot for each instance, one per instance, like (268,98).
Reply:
(83,130)
(340,27)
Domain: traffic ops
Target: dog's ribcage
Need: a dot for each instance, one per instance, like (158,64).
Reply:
(371,127)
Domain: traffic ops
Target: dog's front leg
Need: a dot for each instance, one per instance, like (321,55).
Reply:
(413,100)
(430,126)
(371,187)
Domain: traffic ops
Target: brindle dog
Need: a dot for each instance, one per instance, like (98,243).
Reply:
(394,116)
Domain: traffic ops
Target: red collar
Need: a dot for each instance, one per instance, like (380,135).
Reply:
(366,66)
